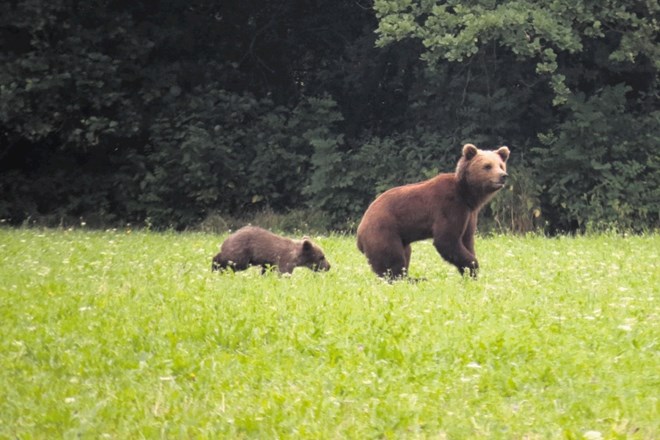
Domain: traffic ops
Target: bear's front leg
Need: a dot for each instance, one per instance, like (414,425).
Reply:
(474,269)
(453,251)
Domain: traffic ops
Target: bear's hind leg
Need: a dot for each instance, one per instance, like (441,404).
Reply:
(388,260)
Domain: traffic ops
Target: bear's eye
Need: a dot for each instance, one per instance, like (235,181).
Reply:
(488,167)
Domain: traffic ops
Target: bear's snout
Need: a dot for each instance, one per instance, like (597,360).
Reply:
(499,182)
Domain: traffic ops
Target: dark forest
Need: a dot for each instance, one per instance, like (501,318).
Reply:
(168,113)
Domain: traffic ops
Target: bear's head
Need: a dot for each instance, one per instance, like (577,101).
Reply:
(312,256)
(483,172)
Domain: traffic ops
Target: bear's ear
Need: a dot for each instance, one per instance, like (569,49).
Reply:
(503,152)
(469,151)
(306,245)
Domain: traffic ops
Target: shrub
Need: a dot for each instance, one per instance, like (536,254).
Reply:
(600,167)
(219,151)
(517,208)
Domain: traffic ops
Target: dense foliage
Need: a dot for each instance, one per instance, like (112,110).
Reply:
(165,113)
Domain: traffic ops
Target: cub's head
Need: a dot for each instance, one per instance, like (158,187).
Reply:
(312,256)
(484,171)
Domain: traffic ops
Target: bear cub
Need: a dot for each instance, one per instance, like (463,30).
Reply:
(253,246)
(444,208)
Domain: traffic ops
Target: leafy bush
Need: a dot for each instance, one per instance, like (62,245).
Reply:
(216,151)
(344,180)
(115,112)
(296,221)
(601,167)
(517,208)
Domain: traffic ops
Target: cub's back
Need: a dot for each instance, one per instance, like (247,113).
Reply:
(257,244)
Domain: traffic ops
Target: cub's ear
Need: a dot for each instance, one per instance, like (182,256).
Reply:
(306,245)
(504,153)
(469,151)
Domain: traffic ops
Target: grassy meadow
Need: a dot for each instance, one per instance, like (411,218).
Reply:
(128,334)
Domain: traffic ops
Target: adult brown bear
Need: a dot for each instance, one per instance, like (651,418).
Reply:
(444,208)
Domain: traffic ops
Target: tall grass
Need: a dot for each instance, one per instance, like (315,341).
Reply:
(123,334)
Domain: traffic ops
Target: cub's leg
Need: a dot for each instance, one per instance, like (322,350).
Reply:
(222,263)
(218,263)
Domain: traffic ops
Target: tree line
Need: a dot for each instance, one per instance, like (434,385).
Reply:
(165,113)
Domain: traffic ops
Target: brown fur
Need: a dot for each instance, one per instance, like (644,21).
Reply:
(253,246)
(444,208)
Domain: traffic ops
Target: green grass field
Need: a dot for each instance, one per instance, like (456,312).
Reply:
(125,335)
